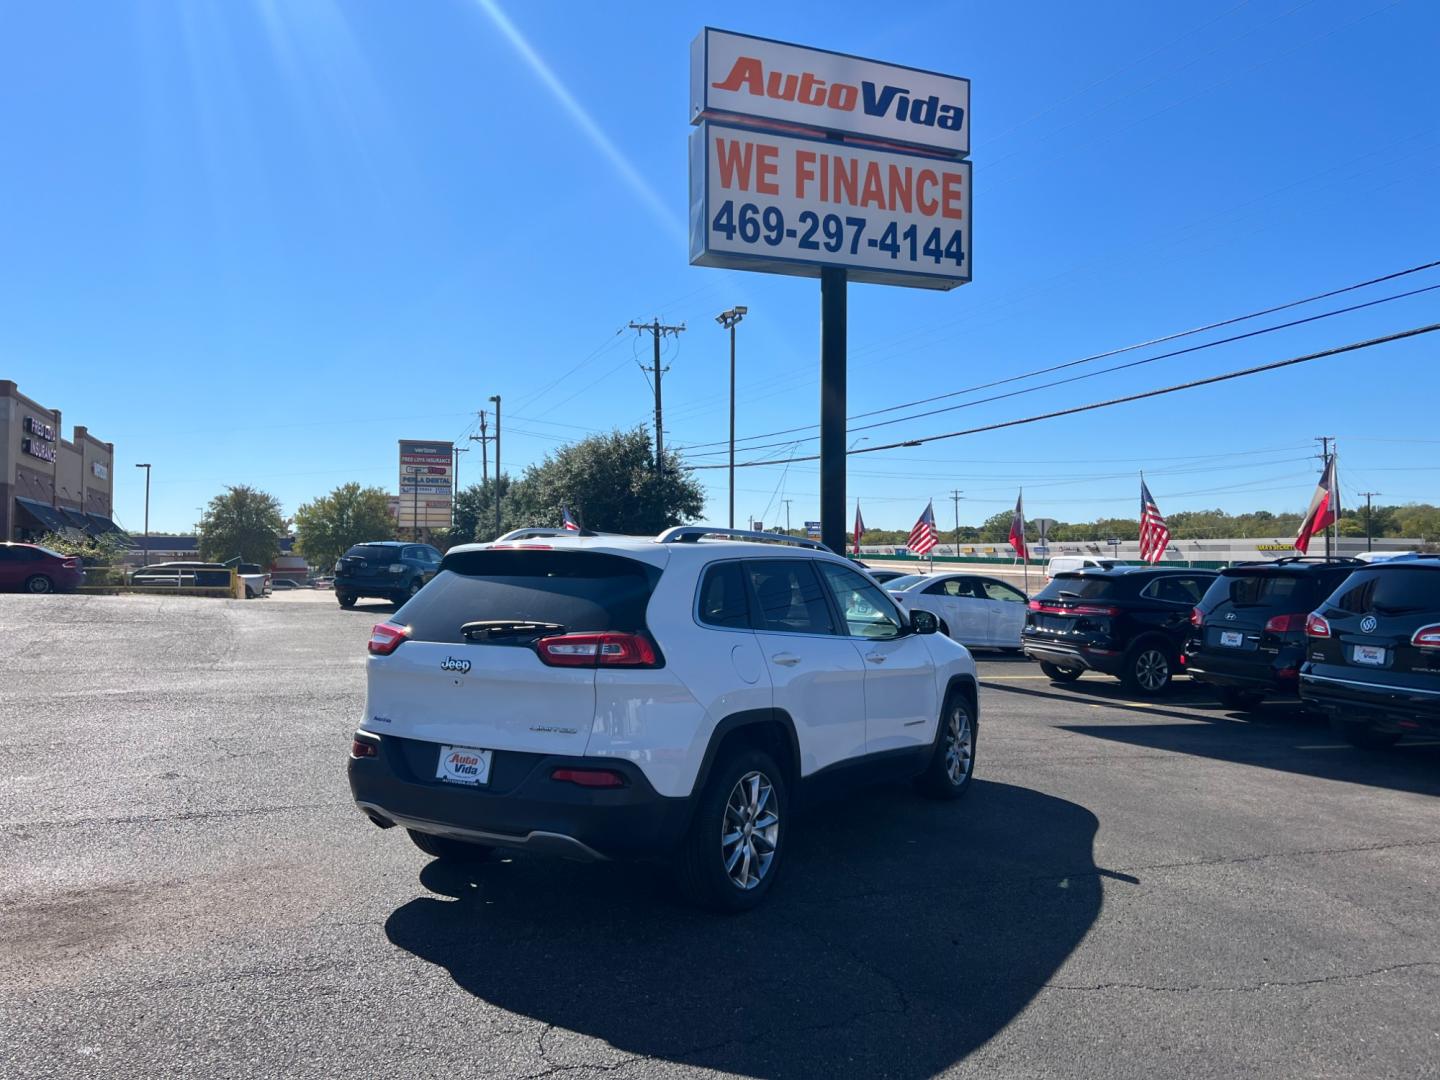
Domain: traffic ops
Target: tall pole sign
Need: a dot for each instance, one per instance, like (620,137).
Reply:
(819,164)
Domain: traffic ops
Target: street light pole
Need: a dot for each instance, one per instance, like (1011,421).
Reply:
(729,319)
(146,555)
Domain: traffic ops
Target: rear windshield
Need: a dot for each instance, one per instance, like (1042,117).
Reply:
(1391,592)
(580,591)
(373,551)
(1272,590)
(1083,587)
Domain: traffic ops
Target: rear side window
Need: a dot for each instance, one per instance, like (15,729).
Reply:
(723,600)
(789,597)
(1083,587)
(581,591)
(1390,592)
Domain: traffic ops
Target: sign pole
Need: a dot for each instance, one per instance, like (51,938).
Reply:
(832,407)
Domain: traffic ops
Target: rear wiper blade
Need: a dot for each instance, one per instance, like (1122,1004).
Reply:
(505,627)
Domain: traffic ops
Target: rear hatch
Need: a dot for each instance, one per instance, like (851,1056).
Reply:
(1259,609)
(1076,606)
(367,561)
(1373,622)
(501,649)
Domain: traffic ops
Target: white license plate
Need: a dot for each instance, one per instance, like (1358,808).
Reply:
(463,765)
(1369,654)
(1232,638)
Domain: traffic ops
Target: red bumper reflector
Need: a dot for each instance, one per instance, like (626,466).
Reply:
(362,748)
(597,778)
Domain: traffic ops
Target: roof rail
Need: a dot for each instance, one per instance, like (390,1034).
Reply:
(689,534)
(528,533)
(1315,559)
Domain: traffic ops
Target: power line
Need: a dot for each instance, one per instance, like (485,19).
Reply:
(1241,373)
(1138,345)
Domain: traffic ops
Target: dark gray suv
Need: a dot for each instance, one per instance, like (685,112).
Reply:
(389,569)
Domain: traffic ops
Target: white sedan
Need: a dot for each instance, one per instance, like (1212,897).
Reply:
(974,610)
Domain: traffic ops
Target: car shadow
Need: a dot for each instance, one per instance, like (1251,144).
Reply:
(903,936)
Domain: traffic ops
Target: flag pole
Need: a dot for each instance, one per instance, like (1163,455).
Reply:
(1024,546)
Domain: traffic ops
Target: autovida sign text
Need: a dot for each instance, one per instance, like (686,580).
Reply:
(791,204)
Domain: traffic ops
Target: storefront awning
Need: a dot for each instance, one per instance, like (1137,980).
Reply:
(76,519)
(100,525)
(45,514)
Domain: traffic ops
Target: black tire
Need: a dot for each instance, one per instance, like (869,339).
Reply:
(448,850)
(1362,736)
(249,593)
(1149,668)
(1060,674)
(952,764)
(1232,697)
(701,862)
(347,600)
(39,583)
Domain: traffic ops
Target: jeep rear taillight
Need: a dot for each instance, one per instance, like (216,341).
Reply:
(596,650)
(1284,624)
(386,637)
(1316,625)
(1427,637)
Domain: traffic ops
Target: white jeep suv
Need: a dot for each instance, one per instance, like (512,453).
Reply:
(599,696)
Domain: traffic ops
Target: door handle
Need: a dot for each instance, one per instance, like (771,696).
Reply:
(876,658)
(786,659)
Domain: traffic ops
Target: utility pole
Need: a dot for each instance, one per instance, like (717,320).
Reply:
(455,479)
(496,399)
(657,331)
(1325,441)
(787,513)
(956,496)
(1369,545)
(483,439)
(728,319)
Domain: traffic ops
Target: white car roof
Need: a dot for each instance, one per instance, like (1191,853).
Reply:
(656,551)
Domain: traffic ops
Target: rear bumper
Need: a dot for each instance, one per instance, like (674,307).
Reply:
(1248,671)
(521,807)
(373,586)
(1359,696)
(1072,656)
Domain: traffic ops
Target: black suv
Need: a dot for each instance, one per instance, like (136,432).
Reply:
(1374,653)
(1125,621)
(390,569)
(1248,632)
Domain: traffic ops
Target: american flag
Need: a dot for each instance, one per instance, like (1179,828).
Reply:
(922,536)
(1154,533)
(568,521)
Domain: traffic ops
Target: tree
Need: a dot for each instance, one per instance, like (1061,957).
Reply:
(327,527)
(243,523)
(608,482)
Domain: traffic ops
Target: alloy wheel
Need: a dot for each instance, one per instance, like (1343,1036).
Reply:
(959,745)
(750,830)
(38,584)
(1152,670)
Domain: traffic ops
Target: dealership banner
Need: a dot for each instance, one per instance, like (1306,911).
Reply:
(792,204)
(798,87)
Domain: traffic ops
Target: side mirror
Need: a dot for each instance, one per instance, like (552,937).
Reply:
(924,622)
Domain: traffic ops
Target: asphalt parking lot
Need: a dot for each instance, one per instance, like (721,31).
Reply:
(1129,890)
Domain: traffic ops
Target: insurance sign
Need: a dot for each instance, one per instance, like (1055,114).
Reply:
(793,204)
(425,483)
(736,75)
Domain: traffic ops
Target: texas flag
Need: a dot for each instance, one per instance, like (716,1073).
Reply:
(1323,510)
(859,527)
(1017,528)
(567,520)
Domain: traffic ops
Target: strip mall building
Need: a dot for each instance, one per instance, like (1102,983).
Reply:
(49,484)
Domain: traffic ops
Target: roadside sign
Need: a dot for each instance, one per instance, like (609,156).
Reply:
(785,85)
(426,481)
(812,529)
(785,204)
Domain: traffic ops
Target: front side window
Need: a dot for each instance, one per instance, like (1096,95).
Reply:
(788,597)
(867,612)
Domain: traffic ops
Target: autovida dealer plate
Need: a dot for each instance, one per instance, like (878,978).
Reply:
(464,765)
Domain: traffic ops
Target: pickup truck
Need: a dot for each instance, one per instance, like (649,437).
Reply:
(256,579)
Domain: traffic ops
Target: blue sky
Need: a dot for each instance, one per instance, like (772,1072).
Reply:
(258,242)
